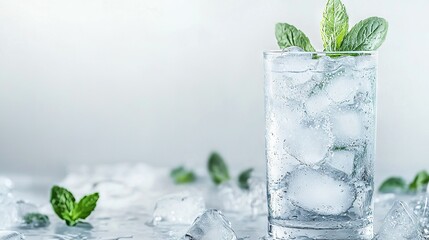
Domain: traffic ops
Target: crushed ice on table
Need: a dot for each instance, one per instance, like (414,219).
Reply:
(248,202)
(421,210)
(400,224)
(211,225)
(11,235)
(180,208)
(8,210)
(328,195)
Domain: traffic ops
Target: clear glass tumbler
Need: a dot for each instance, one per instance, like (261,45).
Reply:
(320,143)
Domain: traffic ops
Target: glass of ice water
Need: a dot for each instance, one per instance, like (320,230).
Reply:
(320,143)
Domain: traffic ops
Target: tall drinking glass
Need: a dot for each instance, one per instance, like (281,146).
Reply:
(320,143)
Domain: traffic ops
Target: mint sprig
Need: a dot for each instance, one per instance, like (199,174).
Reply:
(180,175)
(243,178)
(367,35)
(393,185)
(399,185)
(334,25)
(218,169)
(421,179)
(65,206)
(36,219)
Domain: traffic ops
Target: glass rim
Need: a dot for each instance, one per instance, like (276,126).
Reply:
(319,53)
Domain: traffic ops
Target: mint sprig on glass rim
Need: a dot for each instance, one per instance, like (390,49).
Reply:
(367,35)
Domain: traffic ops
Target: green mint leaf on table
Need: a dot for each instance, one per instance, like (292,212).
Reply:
(36,219)
(334,25)
(181,175)
(288,36)
(420,180)
(366,35)
(243,178)
(217,169)
(66,207)
(393,185)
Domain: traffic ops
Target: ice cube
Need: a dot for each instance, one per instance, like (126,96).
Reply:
(328,64)
(24,208)
(293,59)
(347,125)
(342,87)
(211,225)
(400,224)
(8,210)
(10,235)
(309,145)
(319,192)
(180,208)
(421,210)
(317,103)
(293,49)
(6,185)
(365,62)
(247,202)
(342,160)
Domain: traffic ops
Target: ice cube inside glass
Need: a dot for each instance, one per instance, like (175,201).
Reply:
(320,143)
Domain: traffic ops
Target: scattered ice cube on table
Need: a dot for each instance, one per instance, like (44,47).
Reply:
(181,208)
(6,185)
(211,225)
(421,210)
(318,192)
(8,210)
(24,208)
(308,145)
(342,160)
(400,224)
(247,202)
(347,125)
(11,235)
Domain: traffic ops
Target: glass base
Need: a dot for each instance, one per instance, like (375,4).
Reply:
(281,232)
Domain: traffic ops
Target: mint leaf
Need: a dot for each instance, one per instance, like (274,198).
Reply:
(366,35)
(334,25)
(66,207)
(243,178)
(217,169)
(181,175)
(85,206)
(393,185)
(36,220)
(63,203)
(421,179)
(288,36)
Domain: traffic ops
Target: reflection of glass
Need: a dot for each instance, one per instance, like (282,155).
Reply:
(320,143)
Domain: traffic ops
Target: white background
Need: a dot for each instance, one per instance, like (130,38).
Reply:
(167,81)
